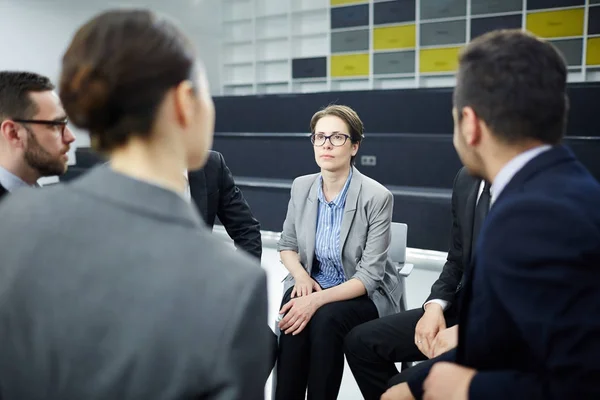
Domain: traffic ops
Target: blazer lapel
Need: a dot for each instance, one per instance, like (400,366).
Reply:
(469,221)
(350,207)
(312,208)
(197,181)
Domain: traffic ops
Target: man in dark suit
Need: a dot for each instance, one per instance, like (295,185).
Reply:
(372,348)
(214,192)
(528,319)
(34,136)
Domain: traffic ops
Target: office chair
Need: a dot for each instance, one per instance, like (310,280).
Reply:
(397,254)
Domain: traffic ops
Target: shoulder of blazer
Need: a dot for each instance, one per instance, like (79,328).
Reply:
(465,178)
(464,183)
(371,189)
(214,163)
(302,184)
(210,172)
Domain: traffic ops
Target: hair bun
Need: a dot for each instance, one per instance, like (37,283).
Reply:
(85,94)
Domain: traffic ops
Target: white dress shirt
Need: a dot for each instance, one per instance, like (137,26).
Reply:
(187,194)
(10,181)
(502,179)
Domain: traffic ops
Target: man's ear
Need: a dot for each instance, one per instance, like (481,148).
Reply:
(10,133)
(471,127)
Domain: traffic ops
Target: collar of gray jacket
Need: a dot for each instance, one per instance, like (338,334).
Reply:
(104,182)
(353,190)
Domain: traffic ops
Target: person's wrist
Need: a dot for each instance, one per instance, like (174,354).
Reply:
(319,298)
(433,308)
(299,274)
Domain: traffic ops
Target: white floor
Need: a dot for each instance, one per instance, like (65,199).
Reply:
(418,286)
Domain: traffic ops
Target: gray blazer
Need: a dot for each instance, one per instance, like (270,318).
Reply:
(112,288)
(364,238)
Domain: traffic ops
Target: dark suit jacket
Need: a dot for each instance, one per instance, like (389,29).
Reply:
(3,191)
(529,321)
(215,194)
(464,199)
(124,297)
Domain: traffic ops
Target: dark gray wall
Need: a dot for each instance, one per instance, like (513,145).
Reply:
(408,131)
(265,142)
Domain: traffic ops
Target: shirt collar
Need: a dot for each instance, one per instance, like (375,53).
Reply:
(10,181)
(187,194)
(340,199)
(512,167)
(137,195)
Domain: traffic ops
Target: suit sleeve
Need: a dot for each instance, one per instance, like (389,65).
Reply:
(236,216)
(547,286)
(247,353)
(415,379)
(288,235)
(444,288)
(371,267)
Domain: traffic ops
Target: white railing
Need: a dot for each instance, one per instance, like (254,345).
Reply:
(423,259)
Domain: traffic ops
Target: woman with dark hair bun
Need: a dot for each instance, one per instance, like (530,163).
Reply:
(111,286)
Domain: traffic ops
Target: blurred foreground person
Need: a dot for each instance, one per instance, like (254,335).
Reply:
(111,286)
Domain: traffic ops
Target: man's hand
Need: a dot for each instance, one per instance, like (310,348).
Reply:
(304,286)
(447,381)
(298,313)
(445,340)
(428,327)
(398,392)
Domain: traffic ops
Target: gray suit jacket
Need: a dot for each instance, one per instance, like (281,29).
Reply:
(112,288)
(364,238)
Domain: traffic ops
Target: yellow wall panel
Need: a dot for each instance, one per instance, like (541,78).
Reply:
(439,60)
(394,37)
(550,24)
(592,57)
(342,2)
(349,65)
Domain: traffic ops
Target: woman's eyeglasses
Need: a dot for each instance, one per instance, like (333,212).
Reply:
(337,139)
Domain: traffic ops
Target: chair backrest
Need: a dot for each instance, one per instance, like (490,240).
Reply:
(397,252)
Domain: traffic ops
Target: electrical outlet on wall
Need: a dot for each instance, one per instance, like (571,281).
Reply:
(368,161)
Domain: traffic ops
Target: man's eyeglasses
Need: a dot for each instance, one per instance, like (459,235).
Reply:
(60,124)
(337,139)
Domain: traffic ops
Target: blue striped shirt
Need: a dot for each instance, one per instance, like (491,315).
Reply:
(328,271)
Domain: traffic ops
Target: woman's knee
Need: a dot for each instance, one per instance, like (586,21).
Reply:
(328,320)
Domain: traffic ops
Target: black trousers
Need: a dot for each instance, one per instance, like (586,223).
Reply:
(315,357)
(373,348)
(274,344)
(412,372)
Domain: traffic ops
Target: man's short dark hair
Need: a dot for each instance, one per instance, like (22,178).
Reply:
(15,87)
(516,83)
